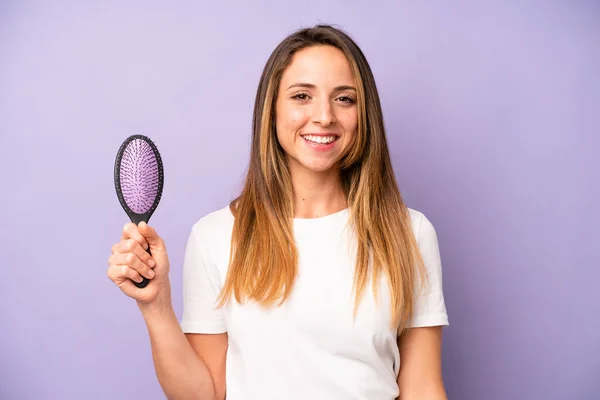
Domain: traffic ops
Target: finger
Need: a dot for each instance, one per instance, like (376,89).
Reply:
(132,246)
(128,287)
(131,231)
(117,262)
(120,247)
(131,273)
(121,272)
(133,262)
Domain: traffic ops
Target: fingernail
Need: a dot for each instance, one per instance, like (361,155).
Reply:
(145,245)
(151,263)
(151,273)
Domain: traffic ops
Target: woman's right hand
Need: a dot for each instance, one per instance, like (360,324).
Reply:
(130,261)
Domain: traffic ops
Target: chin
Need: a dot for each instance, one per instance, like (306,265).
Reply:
(318,167)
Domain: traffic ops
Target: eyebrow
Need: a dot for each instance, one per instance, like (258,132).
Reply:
(311,86)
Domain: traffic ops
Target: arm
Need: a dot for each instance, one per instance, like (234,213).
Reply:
(420,376)
(212,348)
(185,368)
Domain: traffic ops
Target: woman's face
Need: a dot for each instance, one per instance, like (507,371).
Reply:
(316,111)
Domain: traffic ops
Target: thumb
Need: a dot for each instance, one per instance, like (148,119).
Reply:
(151,236)
(157,248)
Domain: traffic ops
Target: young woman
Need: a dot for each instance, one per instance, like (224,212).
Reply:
(317,282)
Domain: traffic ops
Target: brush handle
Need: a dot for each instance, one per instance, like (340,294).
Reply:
(136,219)
(145,281)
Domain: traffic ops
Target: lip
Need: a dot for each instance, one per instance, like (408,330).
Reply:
(337,135)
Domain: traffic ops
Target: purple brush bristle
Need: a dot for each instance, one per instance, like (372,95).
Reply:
(139,176)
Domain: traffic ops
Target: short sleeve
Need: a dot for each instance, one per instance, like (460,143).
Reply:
(201,288)
(429,306)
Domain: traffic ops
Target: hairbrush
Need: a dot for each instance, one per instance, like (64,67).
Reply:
(139,180)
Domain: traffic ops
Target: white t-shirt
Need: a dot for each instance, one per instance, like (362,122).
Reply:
(310,347)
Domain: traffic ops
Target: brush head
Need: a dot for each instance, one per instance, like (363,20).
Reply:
(139,177)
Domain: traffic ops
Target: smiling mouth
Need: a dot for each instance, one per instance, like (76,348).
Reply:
(320,139)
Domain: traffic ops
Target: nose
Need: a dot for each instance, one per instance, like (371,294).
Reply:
(323,113)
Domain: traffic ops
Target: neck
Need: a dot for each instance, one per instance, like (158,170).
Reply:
(317,194)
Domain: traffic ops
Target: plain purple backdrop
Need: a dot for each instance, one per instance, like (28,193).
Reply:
(492,112)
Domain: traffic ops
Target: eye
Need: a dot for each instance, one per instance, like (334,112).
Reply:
(347,99)
(301,96)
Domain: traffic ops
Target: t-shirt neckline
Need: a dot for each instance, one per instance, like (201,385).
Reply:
(323,218)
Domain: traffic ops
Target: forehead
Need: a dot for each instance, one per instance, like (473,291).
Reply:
(319,65)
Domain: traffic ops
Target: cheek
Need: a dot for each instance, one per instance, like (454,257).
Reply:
(288,120)
(296,117)
(290,117)
(351,125)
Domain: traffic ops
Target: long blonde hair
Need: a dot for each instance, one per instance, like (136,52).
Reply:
(263,259)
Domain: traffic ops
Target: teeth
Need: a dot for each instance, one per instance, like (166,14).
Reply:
(319,139)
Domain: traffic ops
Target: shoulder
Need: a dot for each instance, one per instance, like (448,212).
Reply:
(423,229)
(215,225)
(210,239)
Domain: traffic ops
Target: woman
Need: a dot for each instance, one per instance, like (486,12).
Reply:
(308,285)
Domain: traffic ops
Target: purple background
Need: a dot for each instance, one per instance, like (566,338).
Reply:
(492,113)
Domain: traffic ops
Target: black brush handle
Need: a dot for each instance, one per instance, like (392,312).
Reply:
(145,281)
(136,219)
